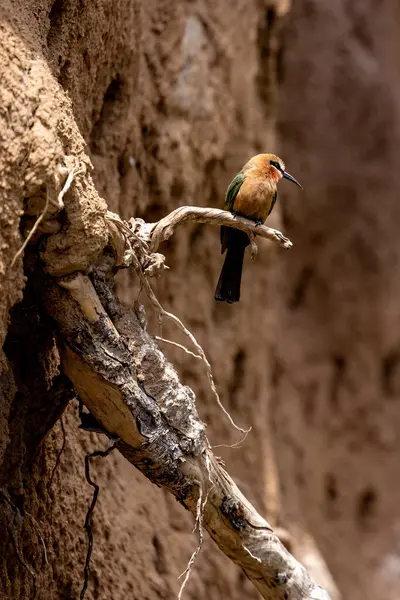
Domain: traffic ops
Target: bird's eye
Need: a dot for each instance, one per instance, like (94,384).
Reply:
(275,164)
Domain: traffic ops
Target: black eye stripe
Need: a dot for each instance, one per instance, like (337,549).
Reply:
(276,165)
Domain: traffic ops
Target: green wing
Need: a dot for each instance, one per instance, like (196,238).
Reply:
(233,190)
(273,203)
(231,194)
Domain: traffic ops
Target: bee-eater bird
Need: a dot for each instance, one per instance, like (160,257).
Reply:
(252,194)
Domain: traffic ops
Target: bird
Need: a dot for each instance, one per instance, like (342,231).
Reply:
(252,194)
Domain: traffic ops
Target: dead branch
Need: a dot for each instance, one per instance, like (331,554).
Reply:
(155,233)
(147,264)
(135,394)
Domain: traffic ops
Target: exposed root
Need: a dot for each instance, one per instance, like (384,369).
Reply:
(88,520)
(125,259)
(44,549)
(160,339)
(228,516)
(58,455)
(198,525)
(237,444)
(189,334)
(32,231)
(252,555)
(10,528)
(36,525)
(18,550)
(76,170)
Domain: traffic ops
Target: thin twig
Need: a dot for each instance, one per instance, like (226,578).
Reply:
(76,170)
(88,520)
(199,525)
(235,445)
(163,313)
(32,231)
(59,454)
(36,525)
(137,262)
(252,555)
(60,204)
(161,339)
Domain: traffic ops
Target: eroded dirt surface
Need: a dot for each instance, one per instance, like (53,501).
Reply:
(335,378)
(169,109)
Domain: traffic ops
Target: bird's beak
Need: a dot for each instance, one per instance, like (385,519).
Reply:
(287,176)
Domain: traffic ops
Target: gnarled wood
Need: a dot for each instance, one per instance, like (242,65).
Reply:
(132,390)
(155,233)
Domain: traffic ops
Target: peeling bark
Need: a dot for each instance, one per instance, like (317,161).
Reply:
(135,394)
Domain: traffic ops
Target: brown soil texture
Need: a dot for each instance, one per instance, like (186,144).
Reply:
(166,109)
(167,100)
(335,377)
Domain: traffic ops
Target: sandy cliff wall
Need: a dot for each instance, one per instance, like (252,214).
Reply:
(169,108)
(336,363)
(169,99)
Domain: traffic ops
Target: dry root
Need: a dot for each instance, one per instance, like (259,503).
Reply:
(58,202)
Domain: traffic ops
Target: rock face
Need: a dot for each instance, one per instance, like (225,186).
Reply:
(335,376)
(169,108)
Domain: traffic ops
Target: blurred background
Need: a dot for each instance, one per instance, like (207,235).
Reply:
(172,97)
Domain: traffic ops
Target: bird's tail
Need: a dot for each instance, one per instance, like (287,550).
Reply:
(228,287)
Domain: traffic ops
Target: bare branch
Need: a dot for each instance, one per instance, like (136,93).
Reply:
(158,232)
(160,339)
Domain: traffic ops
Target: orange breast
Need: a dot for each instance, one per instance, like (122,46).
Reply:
(255,198)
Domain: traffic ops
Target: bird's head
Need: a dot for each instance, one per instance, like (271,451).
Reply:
(272,166)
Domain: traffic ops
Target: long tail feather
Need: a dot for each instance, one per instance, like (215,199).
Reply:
(228,287)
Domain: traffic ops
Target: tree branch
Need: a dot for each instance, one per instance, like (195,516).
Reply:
(125,381)
(155,233)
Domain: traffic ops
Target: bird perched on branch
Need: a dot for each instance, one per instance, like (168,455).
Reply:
(252,194)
